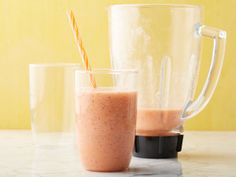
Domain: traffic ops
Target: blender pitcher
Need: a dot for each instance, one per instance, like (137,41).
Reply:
(162,41)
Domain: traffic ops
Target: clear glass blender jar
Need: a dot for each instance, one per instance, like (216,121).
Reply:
(162,41)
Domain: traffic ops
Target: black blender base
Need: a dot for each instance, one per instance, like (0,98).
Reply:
(156,147)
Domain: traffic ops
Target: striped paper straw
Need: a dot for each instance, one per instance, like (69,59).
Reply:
(80,46)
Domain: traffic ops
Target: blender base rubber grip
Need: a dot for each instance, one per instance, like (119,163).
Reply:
(156,147)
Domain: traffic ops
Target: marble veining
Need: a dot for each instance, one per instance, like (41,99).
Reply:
(204,154)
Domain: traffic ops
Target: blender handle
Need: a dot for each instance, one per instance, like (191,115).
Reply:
(218,36)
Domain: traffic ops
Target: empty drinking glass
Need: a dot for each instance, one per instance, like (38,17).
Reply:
(52,103)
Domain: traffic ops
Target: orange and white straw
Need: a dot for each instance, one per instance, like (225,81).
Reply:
(80,46)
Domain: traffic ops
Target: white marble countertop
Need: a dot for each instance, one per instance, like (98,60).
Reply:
(204,154)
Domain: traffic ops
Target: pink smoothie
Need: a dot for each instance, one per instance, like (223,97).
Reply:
(156,122)
(106,123)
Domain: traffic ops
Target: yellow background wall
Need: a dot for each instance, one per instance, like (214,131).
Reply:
(37,31)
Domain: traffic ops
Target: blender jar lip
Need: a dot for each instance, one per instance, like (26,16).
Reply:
(150,5)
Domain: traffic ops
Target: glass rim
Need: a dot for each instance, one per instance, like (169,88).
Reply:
(152,5)
(106,71)
(54,64)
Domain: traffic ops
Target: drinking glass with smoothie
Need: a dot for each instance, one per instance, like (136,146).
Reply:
(106,118)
